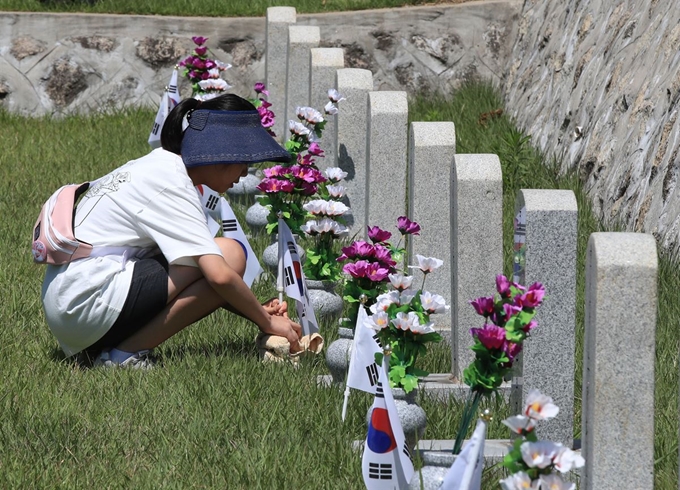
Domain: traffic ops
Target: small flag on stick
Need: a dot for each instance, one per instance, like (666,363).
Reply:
(293,280)
(386,463)
(168,102)
(466,471)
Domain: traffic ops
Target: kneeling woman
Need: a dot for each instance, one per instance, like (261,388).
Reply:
(156,268)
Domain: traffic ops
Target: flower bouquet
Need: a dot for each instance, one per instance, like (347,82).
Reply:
(532,462)
(369,264)
(204,73)
(508,319)
(402,320)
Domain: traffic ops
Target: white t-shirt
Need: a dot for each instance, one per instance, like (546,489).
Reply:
(149,203)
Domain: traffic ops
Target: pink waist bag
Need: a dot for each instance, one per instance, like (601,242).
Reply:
(54,240)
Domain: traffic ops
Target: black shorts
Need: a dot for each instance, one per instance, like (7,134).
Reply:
(147,297)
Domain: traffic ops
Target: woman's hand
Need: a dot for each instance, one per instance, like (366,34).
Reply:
(283,327)
(276,308)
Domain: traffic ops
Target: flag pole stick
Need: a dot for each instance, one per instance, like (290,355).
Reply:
(344,403)
(362,299)
(279,279)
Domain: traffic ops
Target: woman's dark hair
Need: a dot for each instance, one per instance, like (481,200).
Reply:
(171,134)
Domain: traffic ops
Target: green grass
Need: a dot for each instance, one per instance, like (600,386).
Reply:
(212,415)
(208,8)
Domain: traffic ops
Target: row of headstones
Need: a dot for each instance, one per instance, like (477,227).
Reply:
(457,199)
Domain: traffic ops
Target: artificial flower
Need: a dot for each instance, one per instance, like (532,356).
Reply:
(315,149)
(377,321)
(404,321)
(427,264)
(336,208)
(519,481)
(400,281)
(298,129)
(483,306)
(376,273)
(309,114)
(567,460)
(260,89)
(335,191)
(520,424)
(316,207)
(491,336)
(334,96)
(199,40)
(539,406)
(433,303)
(330,109)
(532,298)
(538,454)
(378,235)
(335,174)
(554,482)
(407,227)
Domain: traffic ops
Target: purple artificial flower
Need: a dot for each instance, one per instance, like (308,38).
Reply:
(192,74)
(306,188)
(532,298)
(510,310)
(384,256)
(530,326)
(356,269)
(363,249)
(265,104)
(199,40)
(199,64)
(267,118)
(491,336)
(305,160)
(303,173)
(315,149)
(407,227)
(209,64)
(377,235)
(201,50)
(261,89)
(275,185)
(503,286)
(205,75)
(275,171)
(512,350)
(376,273)
(483,306)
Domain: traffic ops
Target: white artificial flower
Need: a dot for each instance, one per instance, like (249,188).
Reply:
(214,73)
(519,481)
(427,264)
(309,114)
(566,460)
(330,109)
(336,191)
(520,423)
(404,321)
(222,66)
(316,206)
(299,129)
(213,84)
(554,482)
(327,225)
(384,301)
(422,329)
(335,174)
(334,96)
(538,454)
(406,296)
(336,208)
(377,321)
(539,406)
(433,303)
(400,281)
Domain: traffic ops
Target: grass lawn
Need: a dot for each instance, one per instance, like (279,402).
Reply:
(212,415)
(208,8)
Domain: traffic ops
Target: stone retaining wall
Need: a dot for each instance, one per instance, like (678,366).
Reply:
(55,63)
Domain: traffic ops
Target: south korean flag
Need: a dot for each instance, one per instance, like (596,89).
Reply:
(386,463)
(220,216)
(168,102)
(363,372)
(466,471)
(294,280)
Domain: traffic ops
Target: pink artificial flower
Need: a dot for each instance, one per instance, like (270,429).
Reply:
(511,349)
(376,273)
(275,171)
(530,326)
(483,306)
(407,227)
(315,150)
(201,50)
(266,117)
(199,64)
(510,310)
(192,74)
(532,298)
(491,336)
(210,64)
(305,160)
(199,40)
(378,235)
(357,269)
(302,173)
(306,188)
(205,75)
(261,89)
(275,185)
(265,104)
(503,286)
(384,256)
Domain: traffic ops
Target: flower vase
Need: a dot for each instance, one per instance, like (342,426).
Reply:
(256,216)
(338,354)
(412,417)
(325,300)
(245,189)
(270,256)
(436,465)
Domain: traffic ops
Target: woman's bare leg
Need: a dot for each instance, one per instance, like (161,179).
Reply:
(190,298)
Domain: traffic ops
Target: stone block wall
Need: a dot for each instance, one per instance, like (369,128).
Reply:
(59,63)
(598,83)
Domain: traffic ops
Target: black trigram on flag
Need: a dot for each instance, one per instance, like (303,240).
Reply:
(291,248)
(212,202)
(372,372)
(156,127)
(406,451)
(229,225)
(380,471)
(288,276)
(172,89)
(379,391)
(377,341)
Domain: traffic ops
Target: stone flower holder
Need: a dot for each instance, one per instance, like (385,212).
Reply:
(338,354)
(256,216)
(412,417)
(327,303)
(436,465)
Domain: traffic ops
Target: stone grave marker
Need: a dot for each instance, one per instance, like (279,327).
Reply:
(276,56)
